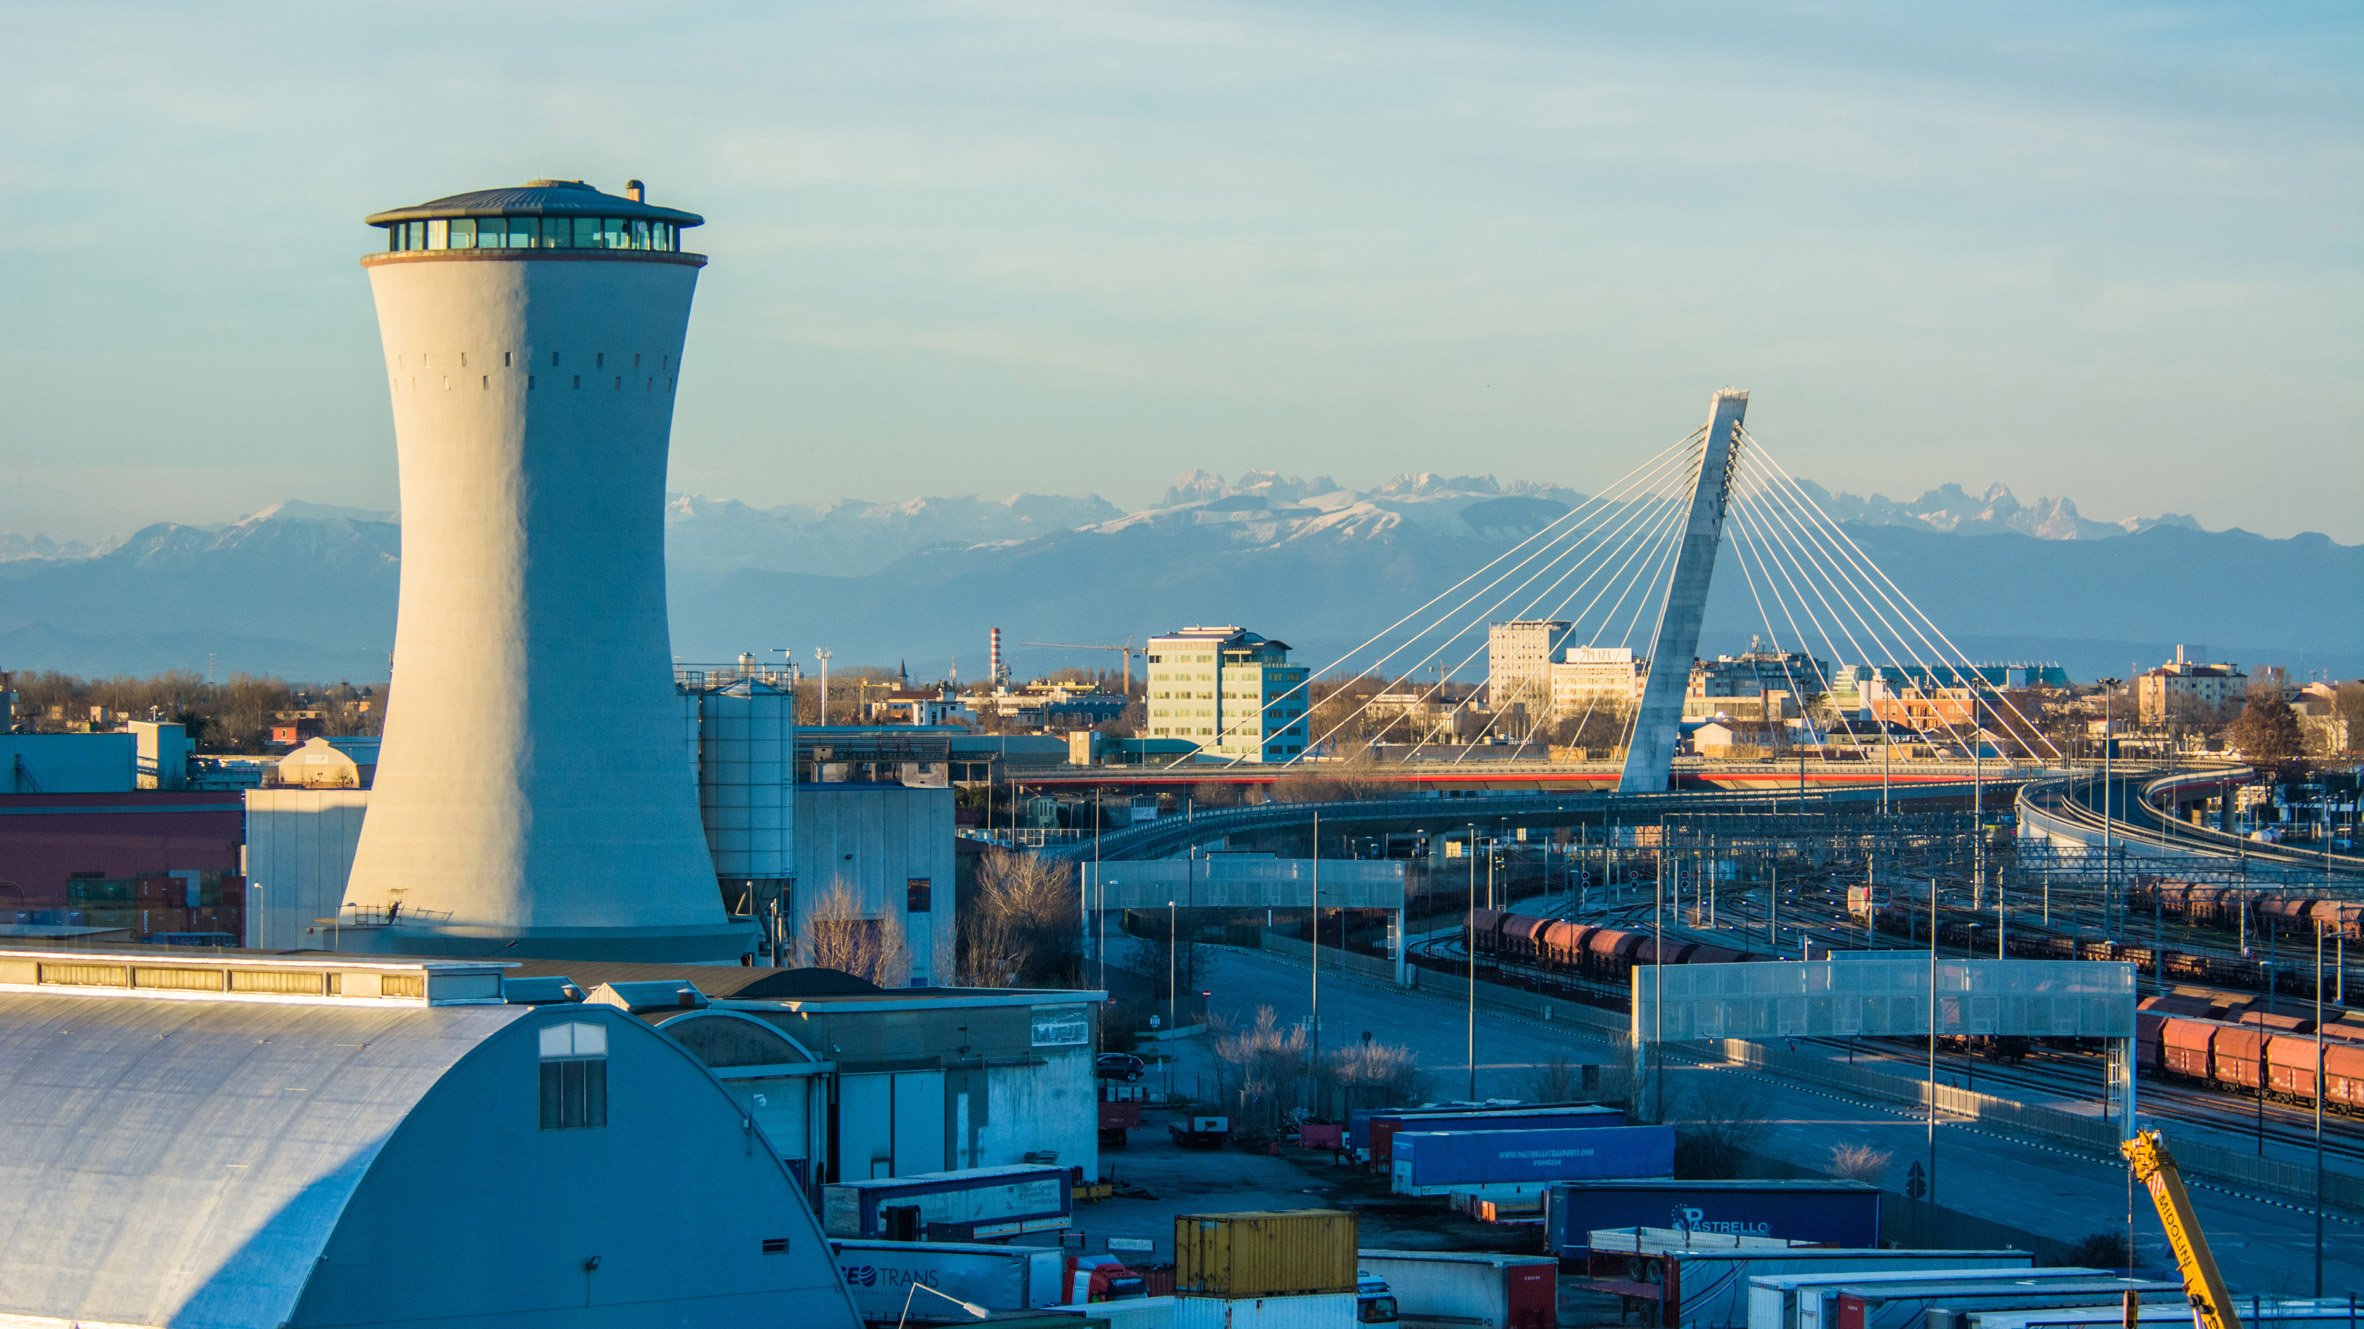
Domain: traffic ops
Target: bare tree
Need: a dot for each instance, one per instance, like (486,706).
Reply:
(837,935)
(1260,1071)
(1716,1128)
(1558,1080)
(1022,925)
(1860,1162)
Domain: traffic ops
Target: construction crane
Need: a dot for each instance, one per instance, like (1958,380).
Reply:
(1126,649)
(2203,1285)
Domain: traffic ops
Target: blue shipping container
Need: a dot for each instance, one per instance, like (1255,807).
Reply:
(1428,1162)
(1829,1213)
(1375,1132)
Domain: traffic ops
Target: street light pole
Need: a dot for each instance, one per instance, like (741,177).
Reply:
(1315,1041)
(1469,944)
(1173,923)
(2109,867)
(2319,1093)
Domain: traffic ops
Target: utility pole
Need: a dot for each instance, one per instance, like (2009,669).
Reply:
(2320,1091)
(1469,944)
(2109,866)
(1315,1039)
(1932,1145)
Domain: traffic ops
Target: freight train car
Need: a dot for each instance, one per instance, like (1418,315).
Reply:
(2237,1056)
(1560,946)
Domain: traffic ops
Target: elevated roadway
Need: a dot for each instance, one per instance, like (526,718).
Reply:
(1409,812)
(2124,812)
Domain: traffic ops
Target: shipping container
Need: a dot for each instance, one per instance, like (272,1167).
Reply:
(969,1205)
(881,1276)
(1375,1132)
(1786,1300)
(1326,1310)
(1131,1313)
(1449,1289)
(1872,1307)
(1508,1162)
(1709,1289)
(1264,1254)
(1824,1212)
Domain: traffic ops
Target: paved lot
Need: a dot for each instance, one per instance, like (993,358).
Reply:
(2267,1246)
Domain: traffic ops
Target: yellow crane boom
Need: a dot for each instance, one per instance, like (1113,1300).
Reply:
(2154,1167)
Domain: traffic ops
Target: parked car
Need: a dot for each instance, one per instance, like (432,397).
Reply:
(1120,1066)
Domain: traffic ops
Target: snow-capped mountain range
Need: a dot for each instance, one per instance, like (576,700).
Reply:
(308,590)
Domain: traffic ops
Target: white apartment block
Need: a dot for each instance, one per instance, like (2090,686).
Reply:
(1602,679)
(1231,691)
(1519,656)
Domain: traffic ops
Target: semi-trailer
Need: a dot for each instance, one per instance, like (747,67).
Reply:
(1906,1307)
(1469,1289)
(881,1274)
(968,1205)
(1371,1133)
(1823,1212)
(1790,1301)
(1499,1163)
(1709,1288)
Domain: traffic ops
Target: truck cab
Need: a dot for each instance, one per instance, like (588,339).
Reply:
(1102,1278)
(1374,1302)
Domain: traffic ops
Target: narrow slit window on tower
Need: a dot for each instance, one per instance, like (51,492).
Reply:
(554,359)
(505,361)
(529,382)
(619,383)
(578,380)
(636,359)
(487,382)
(599,360)
(463,359)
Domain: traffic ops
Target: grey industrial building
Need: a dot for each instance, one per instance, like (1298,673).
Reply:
(848,1081)
(200,1140)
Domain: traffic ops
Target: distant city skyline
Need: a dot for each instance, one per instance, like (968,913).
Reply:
(2107,255)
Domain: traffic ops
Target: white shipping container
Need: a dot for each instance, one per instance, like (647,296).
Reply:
(1129,1313)
(1327,1310)
(1784,1300)
(1457,1289)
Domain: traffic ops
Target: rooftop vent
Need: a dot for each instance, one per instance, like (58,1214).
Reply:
(636,191)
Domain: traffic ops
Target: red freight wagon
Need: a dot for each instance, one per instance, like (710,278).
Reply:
(2185,1047)
(2237,1053)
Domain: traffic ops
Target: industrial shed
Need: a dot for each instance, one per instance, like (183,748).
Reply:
(198,1141)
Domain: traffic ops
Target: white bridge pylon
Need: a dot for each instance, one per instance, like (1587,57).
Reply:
(1649,755)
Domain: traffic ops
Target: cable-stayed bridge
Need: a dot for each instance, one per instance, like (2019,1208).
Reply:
(1849,669)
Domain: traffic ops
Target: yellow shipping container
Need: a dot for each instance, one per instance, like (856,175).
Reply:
(1269,1254)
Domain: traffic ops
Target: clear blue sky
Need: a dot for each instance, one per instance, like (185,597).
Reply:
(2107,252)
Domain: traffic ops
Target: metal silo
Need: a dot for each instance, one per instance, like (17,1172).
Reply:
(746,765)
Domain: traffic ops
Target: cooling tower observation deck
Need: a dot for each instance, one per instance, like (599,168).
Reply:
(533,795)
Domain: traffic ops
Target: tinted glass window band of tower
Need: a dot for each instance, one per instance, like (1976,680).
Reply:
(531,796)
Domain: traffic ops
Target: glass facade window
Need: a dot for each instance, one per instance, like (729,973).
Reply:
(534,233)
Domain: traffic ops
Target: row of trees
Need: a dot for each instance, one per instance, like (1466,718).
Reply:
(231,716)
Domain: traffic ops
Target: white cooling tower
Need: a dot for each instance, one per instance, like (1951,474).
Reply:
(531,796)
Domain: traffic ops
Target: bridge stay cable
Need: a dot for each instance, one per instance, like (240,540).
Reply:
(1653,547)
(1648,544)
(1957,661)
(1651,464)
(1601,533)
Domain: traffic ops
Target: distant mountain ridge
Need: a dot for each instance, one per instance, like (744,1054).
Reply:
(309,590)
